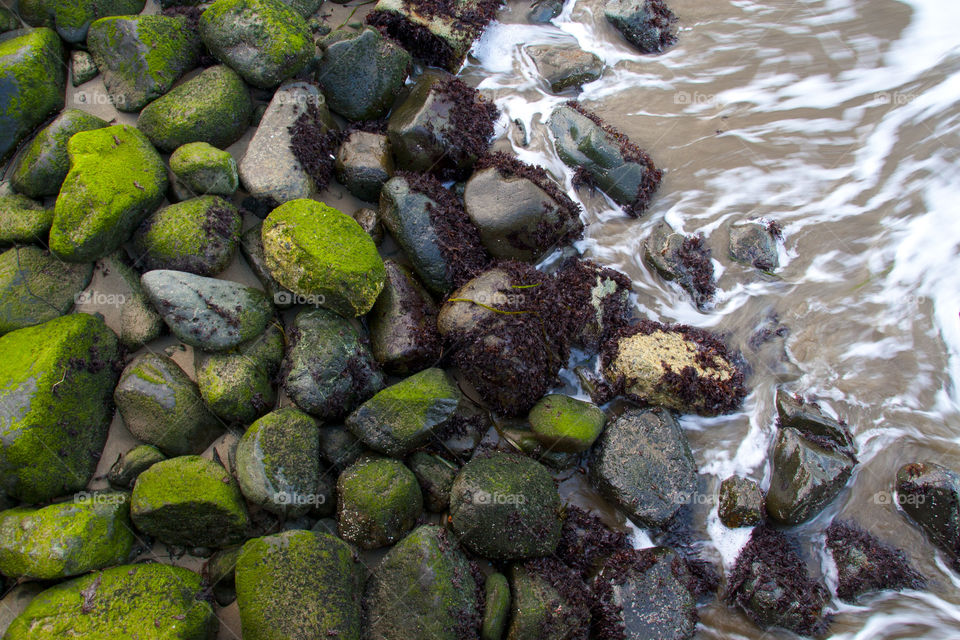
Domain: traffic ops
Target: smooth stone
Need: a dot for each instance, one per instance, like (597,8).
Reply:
(23,221)
(566,424)
(251,245)
(127,310)
(740,503)
(201,169)
(378,502)
(339,447)
(436,476)
(36,287)
(543,11)
(809,419)
(369,221)
(565,66)
(496,609)
(128,467)
(364,164)
(403,324)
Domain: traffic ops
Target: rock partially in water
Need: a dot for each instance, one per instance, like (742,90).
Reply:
(549,602)
(299,584)
(161,406)
(864,564)
(543,11)
(73,19)
(436,476)
(200,169)
(36,287)
(565,424)
(741,502)
(643,464)
(364,164)
(646,24)
(929,495)
(755,244)
(683,259)
(586,542)
(378,502)
(369,220)
(403,324)
(23,221)
(565,66)
(599,295)
(189,501)
(128,467)
(57,381)
(809,419)
(83,67)
(505,506)
(770,583)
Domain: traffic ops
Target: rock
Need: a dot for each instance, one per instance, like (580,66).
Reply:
(643,464)
(364,164)
(601,294)
(265,41)
(201,169)
(83,67)
(644,23)
(73,19)
(436,477)
(140,57)
(442,127)
(218,572)
(211,314)
(23,221)
(131,464)
(339,447)
(439,595)
(39,171)
(438,36)
(128,310)
(31,65)
(369,221)
(403,324)
(328,369)
(251,245)
(496,607)
(161,406)
(278,462)
(565,66)
(806,477)
(522,437)
(684,259)
(809,419)
(549,602)
(864,564)
(66,539)
(543,11)
(35,13)
(741,503)
(361,73)
(378,502)
(770,583)
(299,585)
(679,367)
(305,8)
(237,386)
(505,507)
(755,244)
(645,593)
(403,416)
(57,380)
(213,107)
(15,601)
(270,169)
(199,236)
(322,254)
(929,495)
(116,179)
(35,287)
(430,225)
(566,424)
(604,158)
(189,501)
(520,212)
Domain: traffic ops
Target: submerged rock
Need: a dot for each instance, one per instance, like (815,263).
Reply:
(201,169)
(378,502)
(929,495)
(864,564)
(683,259)
(755,244)
(403,324)
(35,287)
(364,164)
(646,24)
(549,601)
(565,66)
(23,221)
(741,503)
(128,467)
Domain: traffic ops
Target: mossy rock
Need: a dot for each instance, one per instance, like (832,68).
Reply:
(189,501)
(423,588)
(67,539)
(116,179)
(199,235)
(15,601)
(73,18)
(142,601)
(83,68)
(496,607)
(264,40)
(436,476)
(202,169)
(39,171)
(299,585)
(128,467)
(23,221)
(566,424)
(251,245)
(378,502)
(161,406)
(549,601)
(403,416)
(34,13)
(56,383)
(32,85)
(213,107)
(35,286)
(316,251)
(140,57)
(506,507)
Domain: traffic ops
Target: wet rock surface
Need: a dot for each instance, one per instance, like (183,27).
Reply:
(865,564)
(646,24)
(684,259)
(565,66)
(755,244)
(364,164)
(403,323)
(741,502)
(929,495)
(378,502)
(35,287)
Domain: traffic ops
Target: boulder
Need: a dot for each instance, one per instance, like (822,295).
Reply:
(403,323)
(23,221)
(755,244)
(73,18)
(808,418)
(339,447)
(436,476)
(36,287)
(378,502)
(201,169)
(565,66)
(684,260)
(929,495)
(83,67)
(364,164)
(646,24)
(865,564)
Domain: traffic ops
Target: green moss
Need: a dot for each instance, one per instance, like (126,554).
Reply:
(496,610)
(23,221)
(379,500)
(204,169)
(73,17)
(36,287)
(128,468)
(566,424)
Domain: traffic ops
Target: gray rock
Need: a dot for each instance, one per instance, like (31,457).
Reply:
(340,447)
(808,418)
(436,476)
(646,24)
(565,66)
(741,502)
(753,243)
(403,324)
(929,495)
(35,286)
(683,259)
(543,11)
(127,310)
(378,502)
(364,164)
(369,221)
(72,19)
(83,67)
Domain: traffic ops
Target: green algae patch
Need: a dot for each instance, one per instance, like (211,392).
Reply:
(378,501)
(35,287)
(566,424)
(23,221)
(201,168)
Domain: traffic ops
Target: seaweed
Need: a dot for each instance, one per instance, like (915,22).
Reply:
(314,145)
(865,564)
(585,540)
(567,616)
(471,119)
(694,256)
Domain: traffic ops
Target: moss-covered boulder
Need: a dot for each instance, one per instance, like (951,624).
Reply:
(140,57)
(238,385)
(299,585)
(438,597)
(646,24)
(128,467)
(73,18)
(161,406)
(39,171)
(200,169)
(126,309)
(264,40)
(211,314)
(316,251)
(189,501)
(364,163)
(213,107)
(143,601)
(929,495)
(435,475)
(32,68)
(23,221)
(56,383)
(496,607)
(403,416)
(90,532)
(505,506)
(116,179)
(740,502)
(278,462)
(562,423)
(403,323)
(199,235)
(251,245)
(378,502)
(549,602)
(35,286)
